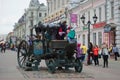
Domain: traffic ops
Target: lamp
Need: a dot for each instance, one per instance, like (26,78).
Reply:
(95,18)
(83,19)
(88,23)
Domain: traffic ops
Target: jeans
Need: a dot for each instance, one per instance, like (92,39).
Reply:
(105,60)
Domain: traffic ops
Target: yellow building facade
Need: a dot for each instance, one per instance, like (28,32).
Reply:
(56,10)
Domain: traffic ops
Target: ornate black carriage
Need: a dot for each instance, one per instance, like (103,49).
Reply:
(56,53)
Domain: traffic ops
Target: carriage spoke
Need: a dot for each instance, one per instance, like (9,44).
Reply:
(22,53)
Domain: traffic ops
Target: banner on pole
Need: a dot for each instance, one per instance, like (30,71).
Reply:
(73,18)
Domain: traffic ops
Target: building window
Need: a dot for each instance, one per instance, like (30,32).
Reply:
(88,15)
(31,14)
(51,6)
(45,14)
(79,36)
(94,38)
(100,12)
(94,11)
(63,2)
(58,3)
(112,9)
(79,20)
(40,14)
(67,1)
(83,39)
(54,4)
(31,21)
(105,11)
(99,39)
(48,7)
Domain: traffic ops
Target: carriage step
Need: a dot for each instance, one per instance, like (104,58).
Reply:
(28,68)
(70,64)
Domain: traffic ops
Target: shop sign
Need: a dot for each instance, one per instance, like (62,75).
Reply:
(85,28)
(99,25)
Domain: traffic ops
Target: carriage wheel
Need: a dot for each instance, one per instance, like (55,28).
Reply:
(22,54)
(51,65)
(79,66)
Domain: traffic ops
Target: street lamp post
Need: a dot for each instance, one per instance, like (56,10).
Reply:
(88,23)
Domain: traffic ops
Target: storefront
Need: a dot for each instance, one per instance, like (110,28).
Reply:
(109,33)
(97,33)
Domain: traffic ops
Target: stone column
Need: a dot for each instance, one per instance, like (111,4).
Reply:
(117,21)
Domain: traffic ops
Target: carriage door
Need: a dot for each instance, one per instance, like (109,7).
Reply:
(38,47)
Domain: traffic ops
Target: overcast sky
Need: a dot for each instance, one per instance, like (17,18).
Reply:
(10,12)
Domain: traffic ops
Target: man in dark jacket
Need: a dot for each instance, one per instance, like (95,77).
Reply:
(115,50)
(90,53)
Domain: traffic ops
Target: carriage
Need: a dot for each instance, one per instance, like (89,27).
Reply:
(44,46)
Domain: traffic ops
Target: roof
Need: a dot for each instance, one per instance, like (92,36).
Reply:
(34,3)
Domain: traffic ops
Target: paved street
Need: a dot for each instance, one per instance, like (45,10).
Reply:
(9,70)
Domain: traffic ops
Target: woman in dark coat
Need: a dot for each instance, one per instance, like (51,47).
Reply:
(90,53)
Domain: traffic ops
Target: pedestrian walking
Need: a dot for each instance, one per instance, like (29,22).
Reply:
(3,47)
(115,50)
(84,49)
(105,54)
(95,55)
(110,49)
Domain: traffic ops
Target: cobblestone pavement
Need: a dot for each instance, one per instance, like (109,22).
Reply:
(44,74)
(9,70)
(89,72)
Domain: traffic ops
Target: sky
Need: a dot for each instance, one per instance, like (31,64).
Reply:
(10,12)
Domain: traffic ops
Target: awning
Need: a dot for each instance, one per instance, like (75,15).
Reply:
(109,27)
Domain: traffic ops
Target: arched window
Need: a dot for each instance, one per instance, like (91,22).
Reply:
(40,14)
